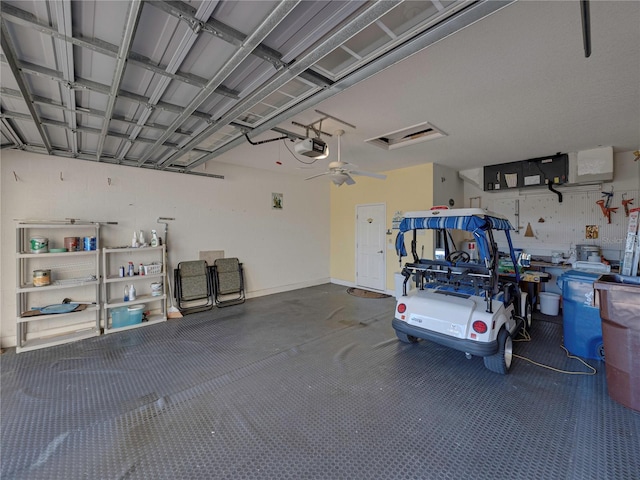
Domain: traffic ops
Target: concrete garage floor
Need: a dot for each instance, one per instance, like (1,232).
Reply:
(309,384)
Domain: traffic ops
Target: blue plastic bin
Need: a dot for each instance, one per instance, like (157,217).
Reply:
(581,323)
(124,317)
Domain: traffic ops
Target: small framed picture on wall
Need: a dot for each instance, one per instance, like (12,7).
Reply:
(276,201)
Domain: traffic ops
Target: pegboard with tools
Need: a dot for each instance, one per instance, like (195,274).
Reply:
(545,225)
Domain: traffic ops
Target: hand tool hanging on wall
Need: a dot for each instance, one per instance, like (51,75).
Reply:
(606,211)
(609,195)
(626,203)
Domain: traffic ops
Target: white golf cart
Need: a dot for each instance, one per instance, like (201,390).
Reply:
(456,300)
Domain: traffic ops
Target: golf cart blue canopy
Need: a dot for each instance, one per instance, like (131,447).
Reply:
(473,220)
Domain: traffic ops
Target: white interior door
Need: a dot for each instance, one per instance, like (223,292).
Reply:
(370,246)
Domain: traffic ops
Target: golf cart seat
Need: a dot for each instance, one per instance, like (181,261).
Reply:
(194,292)
(228,279)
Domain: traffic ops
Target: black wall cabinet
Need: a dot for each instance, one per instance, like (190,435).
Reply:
(534,172)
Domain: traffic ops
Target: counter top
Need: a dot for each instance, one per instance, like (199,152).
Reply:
(543,264)
(563,266)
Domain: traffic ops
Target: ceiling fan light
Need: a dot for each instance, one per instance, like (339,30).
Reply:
(339,178)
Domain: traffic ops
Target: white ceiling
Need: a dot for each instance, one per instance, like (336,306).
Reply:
(510,86)
(513,86)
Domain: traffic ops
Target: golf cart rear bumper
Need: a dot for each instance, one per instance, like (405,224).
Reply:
(479,349)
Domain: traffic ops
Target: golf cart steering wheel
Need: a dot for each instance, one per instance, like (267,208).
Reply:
(458,256)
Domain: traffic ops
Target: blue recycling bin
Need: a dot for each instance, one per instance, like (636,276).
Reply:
(581,322)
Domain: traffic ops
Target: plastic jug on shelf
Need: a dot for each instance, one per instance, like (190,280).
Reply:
(523,259)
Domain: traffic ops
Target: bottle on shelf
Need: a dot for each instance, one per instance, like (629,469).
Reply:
(116,301)
(141,240)
(134,240)
(154,238)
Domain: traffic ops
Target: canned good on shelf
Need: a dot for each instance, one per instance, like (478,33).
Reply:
(39,244)
(89,243)
(156,289)
(41,278)
(72,244)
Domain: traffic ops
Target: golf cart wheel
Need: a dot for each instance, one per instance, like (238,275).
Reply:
(403,337)
(500,362)
(528,315)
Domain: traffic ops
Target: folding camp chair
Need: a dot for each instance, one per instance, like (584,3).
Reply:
(194,291)
(228,281)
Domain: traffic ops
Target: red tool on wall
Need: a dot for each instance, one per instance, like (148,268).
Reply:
(606,209)
(626,203)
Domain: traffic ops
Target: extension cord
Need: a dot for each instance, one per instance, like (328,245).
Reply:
(527,338)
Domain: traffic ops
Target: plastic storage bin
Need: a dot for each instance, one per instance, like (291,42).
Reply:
(620,312)
(126,316)
(119,317)
(581,322)
(135,314)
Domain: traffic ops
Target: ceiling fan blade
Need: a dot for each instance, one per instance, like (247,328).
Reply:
(318,175)
(368,174)
(349,180)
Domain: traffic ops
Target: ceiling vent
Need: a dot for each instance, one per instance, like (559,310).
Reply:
(407,136)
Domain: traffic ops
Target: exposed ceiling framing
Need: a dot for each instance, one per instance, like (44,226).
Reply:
(170,85)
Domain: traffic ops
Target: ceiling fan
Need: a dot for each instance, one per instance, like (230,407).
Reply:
(340,172)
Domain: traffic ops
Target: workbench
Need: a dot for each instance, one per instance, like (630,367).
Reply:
(530,281)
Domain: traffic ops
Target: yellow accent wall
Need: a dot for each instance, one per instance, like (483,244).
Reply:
(404,190)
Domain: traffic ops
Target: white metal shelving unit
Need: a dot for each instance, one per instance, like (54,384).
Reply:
(113,284)
(72,274)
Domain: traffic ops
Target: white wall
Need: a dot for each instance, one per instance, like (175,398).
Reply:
(280,249)
(564,223)
(447,186)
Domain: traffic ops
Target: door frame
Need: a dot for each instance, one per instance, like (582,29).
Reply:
(384,244)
